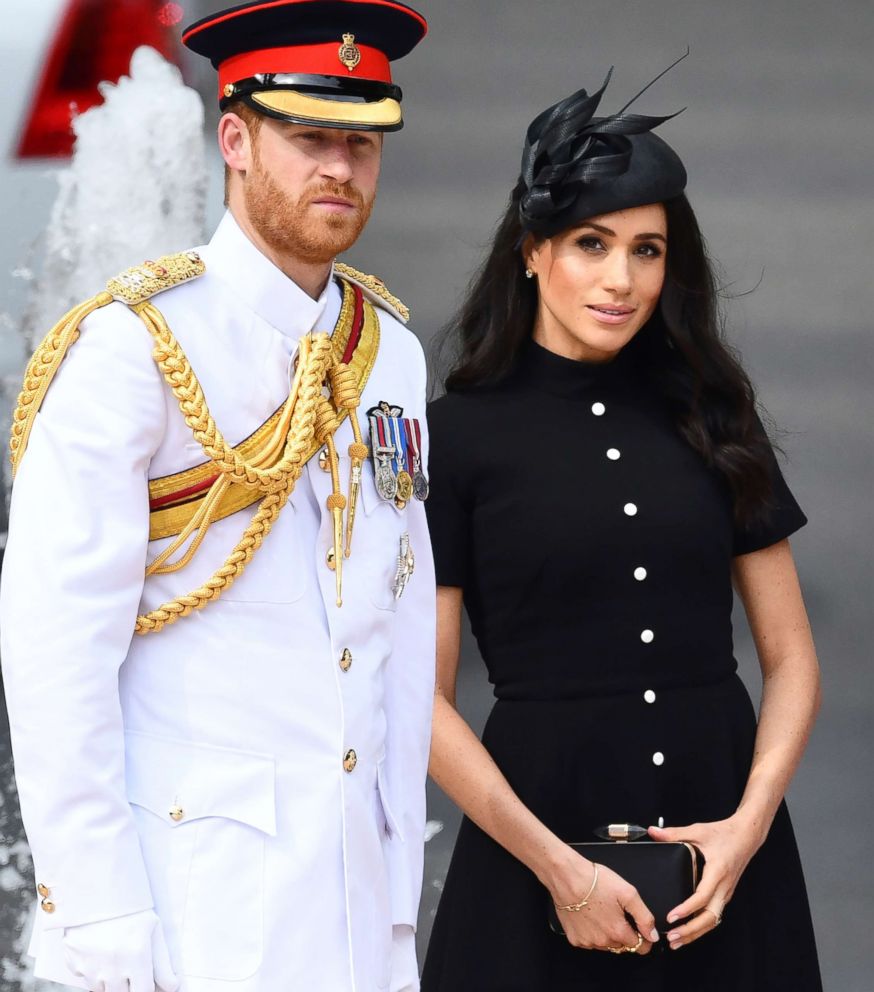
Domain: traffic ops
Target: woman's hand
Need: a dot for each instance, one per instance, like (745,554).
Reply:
(601,924)
(727,846)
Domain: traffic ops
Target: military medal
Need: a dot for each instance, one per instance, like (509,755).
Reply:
(383,453)
(404,479)
(414,440)
(406,566)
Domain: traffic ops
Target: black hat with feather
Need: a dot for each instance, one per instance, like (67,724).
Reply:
(576,165)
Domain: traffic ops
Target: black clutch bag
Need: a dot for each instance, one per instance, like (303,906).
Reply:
(664,874)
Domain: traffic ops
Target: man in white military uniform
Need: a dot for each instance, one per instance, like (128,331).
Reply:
(222,764)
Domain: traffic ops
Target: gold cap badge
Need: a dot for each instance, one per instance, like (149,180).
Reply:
(349,53)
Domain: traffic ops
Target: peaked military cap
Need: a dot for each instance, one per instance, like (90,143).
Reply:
(323,62)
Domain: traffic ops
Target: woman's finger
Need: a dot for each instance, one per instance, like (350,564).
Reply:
(707,920)
(699,898)
(675,835)
(644,921)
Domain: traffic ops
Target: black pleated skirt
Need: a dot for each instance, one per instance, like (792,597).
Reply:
(579,764)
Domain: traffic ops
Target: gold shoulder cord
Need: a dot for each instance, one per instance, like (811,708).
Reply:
(307,418)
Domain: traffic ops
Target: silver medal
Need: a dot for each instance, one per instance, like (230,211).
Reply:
(386,480)
(420,484)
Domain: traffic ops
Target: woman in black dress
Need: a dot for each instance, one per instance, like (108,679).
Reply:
(600,478)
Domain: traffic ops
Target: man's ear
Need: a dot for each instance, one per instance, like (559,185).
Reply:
(235,142)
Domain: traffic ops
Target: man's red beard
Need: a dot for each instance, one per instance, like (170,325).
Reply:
(289,226)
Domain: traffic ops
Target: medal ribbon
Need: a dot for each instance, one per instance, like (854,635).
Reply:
(400,441)
(381,432)
(414,441)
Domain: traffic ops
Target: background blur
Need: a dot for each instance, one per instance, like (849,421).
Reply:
(777,140)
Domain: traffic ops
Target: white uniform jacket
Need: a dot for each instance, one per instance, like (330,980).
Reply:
(281,869)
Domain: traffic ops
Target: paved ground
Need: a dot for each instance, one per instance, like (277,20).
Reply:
(777,141)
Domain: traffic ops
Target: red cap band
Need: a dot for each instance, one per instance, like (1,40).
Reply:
(320,60)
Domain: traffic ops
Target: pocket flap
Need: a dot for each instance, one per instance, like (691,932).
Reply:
(390,821)
(180,781)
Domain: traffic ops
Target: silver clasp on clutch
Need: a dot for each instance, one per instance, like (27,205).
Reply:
(621,833)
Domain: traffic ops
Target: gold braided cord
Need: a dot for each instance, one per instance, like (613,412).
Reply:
(197,525)
(224,577)
(209,507)
(180,377)
(40,371)
(306,420)
(170,520)
(314,360)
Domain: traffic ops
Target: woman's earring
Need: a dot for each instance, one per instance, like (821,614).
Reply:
(529,273)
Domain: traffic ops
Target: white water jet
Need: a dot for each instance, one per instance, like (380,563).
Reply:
(135,189)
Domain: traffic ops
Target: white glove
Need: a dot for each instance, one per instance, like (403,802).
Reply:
(124,954)
(404,969)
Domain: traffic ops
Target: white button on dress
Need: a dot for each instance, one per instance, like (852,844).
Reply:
(658,758)
(614,454)
(649,696)
(647,636)
(640,573)
(630,509)
(599,409)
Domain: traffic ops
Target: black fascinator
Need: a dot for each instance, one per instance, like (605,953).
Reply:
(576,165)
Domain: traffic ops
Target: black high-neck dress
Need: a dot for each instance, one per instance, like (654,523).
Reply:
(594,548)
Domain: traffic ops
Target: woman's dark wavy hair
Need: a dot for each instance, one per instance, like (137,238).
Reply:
(707,391)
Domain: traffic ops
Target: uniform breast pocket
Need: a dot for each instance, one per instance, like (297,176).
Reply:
(377,543)
(204,814)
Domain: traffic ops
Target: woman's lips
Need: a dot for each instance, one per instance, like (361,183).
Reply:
(606,314)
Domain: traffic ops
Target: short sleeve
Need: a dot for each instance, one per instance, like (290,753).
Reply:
(782,518)
(447,510)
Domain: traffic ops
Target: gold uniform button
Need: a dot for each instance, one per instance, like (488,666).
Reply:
(324,463)
(350,760)
(177,813)
(346,660)
(46,906)
(43,890)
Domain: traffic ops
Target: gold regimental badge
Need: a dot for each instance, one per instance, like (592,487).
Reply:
(349,53)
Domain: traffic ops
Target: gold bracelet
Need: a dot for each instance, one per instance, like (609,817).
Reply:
(575,907)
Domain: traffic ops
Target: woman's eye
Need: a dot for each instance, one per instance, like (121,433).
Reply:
(648,251)
(590,244)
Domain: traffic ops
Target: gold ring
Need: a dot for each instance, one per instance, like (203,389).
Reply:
(717,916)
(636,948)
